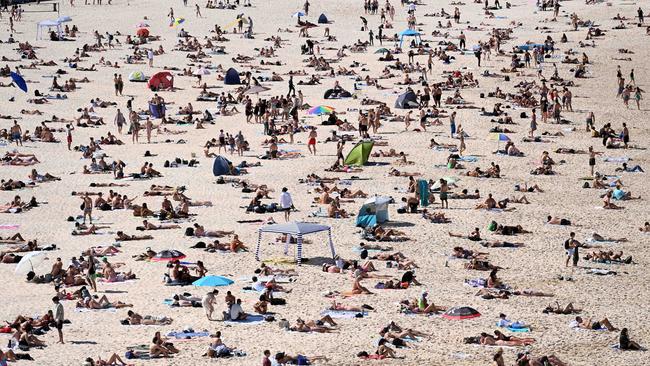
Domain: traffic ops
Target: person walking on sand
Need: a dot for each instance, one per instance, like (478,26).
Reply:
(59,317)
(208,302)
(292,87)
(571,246)
(286,203)
(120,121)
(135,128)
(198,11)
(87,207)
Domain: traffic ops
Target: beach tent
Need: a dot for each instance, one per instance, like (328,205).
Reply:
(142,32)
(137,76)
(157,110)
(322,19)
(374,211)
(461,313)
(409,33)
(45,25)
(297,230)
(220,166)
(232,77)
(161,80)
(359,153)
(407,100)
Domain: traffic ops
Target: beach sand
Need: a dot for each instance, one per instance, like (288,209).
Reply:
(622,298)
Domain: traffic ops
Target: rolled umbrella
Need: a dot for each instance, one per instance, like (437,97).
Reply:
(213,281)
(168,256)
(461,313)
(29,262)
(19,81)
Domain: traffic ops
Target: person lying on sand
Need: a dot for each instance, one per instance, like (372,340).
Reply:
(112,360)
(137,319)
(569,309)
(551,220)
(510,341)
(100,251)
(336,306)
(102,303)
(475,235)
(16,238)
(82,229)
(146,225)
(500,244)
(595,325)
(265,270)
(315,325)
(121,236)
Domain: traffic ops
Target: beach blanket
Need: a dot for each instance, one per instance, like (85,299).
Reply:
(9,226)
(187,335)
(250,319)
(611,159)
(86,310)
(468,159)
(344,314)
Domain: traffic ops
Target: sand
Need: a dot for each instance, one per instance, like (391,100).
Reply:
(620,298)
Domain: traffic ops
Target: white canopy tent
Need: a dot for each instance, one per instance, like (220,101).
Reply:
(47,24)
(297,230)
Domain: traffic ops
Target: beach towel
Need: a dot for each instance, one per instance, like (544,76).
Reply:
(250,319)
(611,159)
(86,310)
(468,159)
(9,226)
(187,335)
(343,314)
(280,260)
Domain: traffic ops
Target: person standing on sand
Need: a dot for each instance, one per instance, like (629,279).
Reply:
(286,203)
(150,57)
(120,121)
(59,317)
(592,159)
(571,246)
(120,84)
(16,133)
(533,123)
(208,302)
(135,127)
(115,83)
(452,124)
(68,129)
(444,189)
(292,87)
(626,135)
(311,144)
(339,152)
(266,360)
(87,207)
(148,128)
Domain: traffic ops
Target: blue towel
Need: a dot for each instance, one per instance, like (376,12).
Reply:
(251,319)
(469,159)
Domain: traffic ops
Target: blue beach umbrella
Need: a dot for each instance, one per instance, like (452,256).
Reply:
(213,281)
(19,81)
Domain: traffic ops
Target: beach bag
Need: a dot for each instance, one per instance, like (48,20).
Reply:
(277,301)
(129,355)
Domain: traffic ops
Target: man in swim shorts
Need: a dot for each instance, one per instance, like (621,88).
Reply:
(16,133)
(312,141)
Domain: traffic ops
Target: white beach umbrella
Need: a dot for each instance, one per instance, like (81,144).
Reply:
(29,261)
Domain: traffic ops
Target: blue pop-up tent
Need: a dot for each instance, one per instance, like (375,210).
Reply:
(232,77)
(409,33)
(374,211)
(220,166)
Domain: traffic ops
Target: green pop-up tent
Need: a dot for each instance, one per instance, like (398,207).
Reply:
(359,154)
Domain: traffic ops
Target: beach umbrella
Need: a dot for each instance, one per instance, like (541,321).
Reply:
(64,19)
(213,281)
(167,256)
(298,14)
(202,71)
(142,25)
(142,32)
(19,81)
(461,313)
(498,137)
(320,110)
(382,50)
(29,261)
(256,89)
